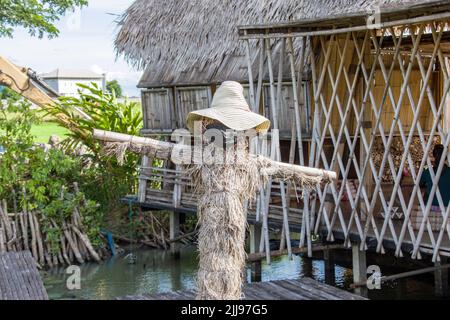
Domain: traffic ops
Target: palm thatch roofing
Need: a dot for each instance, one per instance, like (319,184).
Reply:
(197,41)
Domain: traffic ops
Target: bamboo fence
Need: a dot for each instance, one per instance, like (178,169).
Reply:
(22,229)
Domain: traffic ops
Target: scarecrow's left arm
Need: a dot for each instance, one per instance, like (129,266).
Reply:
(300,175)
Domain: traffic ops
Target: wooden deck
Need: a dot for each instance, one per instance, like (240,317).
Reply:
(302,289)
(276,220)
(19,277)
(426,245)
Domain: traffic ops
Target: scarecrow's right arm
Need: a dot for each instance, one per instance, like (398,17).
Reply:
(146,146)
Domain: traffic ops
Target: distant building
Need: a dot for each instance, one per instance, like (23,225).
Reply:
(64,81)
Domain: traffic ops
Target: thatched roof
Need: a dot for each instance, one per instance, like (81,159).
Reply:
(182,41)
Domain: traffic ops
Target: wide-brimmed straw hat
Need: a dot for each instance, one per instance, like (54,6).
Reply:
(230,108)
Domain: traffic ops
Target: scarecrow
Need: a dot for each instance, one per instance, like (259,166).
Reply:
(227,176)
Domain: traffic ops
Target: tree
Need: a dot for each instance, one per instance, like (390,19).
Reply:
(6,93)
(114,86)
(37,16)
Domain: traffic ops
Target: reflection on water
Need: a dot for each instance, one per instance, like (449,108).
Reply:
(156,271)
(283,268)
(153,271)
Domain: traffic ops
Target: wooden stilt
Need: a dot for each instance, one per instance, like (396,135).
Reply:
(359,268)
(255,238)
(307,267)
(441,280)
(330,271)
(174,220)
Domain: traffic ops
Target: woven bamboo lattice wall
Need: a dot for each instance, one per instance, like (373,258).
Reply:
(379,96)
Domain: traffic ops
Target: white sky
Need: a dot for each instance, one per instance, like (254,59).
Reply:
(85,42)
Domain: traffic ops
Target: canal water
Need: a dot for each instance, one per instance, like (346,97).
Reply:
(139,271)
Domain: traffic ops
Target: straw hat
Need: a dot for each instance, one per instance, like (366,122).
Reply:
(231,109)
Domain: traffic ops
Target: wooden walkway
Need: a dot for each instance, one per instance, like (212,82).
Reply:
(19,277)
(303,289)
(276,221)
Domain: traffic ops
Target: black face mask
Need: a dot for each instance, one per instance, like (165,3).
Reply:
(228,138)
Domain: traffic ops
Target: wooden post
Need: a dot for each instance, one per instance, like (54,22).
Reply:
(447,98)
(330,271)
(307,267)
(174,233)
(359,268)
(441,280)
(142,191)
(255,239)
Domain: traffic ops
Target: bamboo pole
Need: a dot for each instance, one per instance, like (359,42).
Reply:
(2,240)
(39,241)
(72,244)
(5,219)
(250,76)
(402,275)
(258,256)
(85,240)
(33,236)
(260,75)
(279,104)
(327,32)
(276,168)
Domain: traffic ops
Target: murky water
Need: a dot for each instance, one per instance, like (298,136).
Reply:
(156,271)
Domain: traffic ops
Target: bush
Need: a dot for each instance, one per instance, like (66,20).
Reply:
(42,181)
(106,181)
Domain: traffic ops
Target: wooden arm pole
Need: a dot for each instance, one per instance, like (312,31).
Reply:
(280,169)
(163,150)
(160,149)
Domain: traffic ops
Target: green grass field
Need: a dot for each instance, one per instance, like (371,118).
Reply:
(44,130)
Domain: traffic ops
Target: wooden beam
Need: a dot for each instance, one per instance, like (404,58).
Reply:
(273,32)
(276,253)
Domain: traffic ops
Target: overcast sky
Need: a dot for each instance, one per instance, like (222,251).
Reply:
(85,41)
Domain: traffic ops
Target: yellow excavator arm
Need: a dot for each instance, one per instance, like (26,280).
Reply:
(19,80)
(25,82)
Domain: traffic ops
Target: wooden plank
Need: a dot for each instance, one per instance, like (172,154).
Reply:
(339,293)
(19,277)
(34,275)
(256,292)
(296,289)
(283,292)
(320,295)
(20,284)
(298,285)
(303,289)
(7,271)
